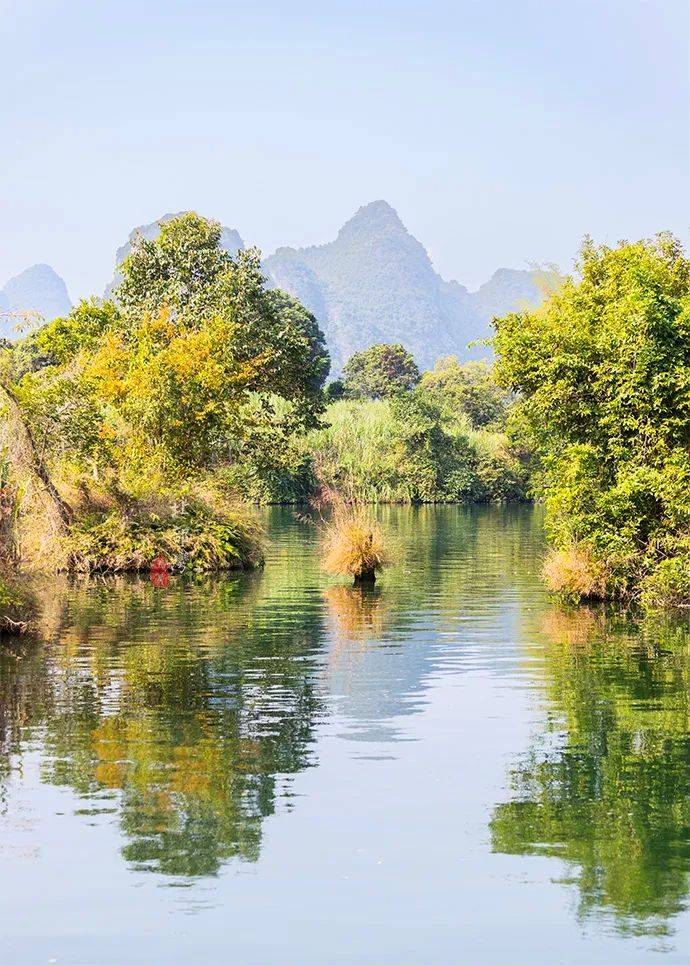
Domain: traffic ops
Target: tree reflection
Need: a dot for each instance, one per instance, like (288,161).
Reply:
(189,708)
(607,786)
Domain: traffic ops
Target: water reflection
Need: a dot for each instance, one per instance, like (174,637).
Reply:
(605,785)
(180,707)
(187,708)
(185,715)
(449,606)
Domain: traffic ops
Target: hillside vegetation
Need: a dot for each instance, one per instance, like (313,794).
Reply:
(375,283)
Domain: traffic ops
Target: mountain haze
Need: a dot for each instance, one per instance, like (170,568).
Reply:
(376,283)
(37,291)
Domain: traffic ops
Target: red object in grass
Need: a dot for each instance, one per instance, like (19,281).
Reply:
(160,577)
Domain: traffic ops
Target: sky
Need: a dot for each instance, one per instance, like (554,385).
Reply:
(502,131)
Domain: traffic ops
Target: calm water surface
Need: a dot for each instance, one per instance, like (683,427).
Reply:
(273,768)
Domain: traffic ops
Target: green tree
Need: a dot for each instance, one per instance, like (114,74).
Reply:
(603,373)
(430,462)
(379,371)
(170,368)
(177,269)
(467,388)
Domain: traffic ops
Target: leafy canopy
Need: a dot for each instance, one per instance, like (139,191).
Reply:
(172,367)
(380,371)
(603,372)
(465,387)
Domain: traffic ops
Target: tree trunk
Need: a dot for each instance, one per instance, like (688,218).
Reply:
(44,516)
(365,577)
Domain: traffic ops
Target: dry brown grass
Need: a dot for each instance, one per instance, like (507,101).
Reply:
(355,545)
(574,574)
(42,524)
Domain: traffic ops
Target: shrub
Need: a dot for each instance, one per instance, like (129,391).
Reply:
(465,388)
(574,574)
(668,584)
(192,536)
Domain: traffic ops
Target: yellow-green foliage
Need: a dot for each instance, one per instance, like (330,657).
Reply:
(573,574)
(602,370)
(130,398)
(465,388)
(355,544)
(16,608)
(190,534)
(668,584)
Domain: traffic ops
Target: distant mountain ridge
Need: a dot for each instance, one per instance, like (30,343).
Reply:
(36,291)
(374,283)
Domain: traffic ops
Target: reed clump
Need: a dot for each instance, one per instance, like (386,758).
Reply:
(355,545)
(573,574)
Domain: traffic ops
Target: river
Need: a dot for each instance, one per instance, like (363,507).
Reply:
(279,768)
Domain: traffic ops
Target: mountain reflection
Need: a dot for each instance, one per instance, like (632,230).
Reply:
(606,785)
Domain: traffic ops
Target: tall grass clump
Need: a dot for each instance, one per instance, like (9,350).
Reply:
(573,574)
(355,450)
(355,545)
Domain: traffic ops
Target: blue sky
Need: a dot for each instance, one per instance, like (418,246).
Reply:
(501,131)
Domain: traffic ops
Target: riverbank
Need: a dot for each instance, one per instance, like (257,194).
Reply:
(16,608)
(400,451)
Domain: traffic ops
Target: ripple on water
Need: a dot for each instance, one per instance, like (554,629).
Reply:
(495,751)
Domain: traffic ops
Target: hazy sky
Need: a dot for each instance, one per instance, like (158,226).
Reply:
(501,130)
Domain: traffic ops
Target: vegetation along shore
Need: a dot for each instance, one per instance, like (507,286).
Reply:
(144,425)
